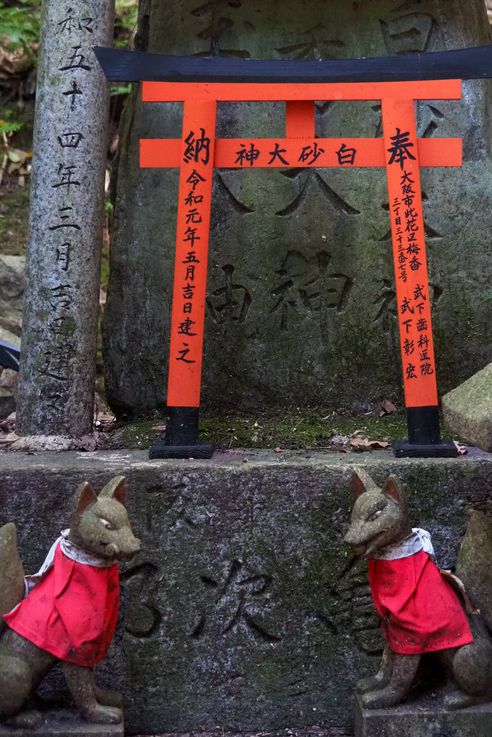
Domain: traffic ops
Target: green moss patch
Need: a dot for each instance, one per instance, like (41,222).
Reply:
(284,431)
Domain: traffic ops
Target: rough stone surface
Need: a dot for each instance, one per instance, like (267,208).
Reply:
(8,391)
(423,719)
(11,295)
(314,731)
(65,723)
(473,565)
(468,409)
(300,291)
(244,610)
(51,442)
(58,359)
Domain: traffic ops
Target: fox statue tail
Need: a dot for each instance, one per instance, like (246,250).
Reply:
(11,570)
(474,563)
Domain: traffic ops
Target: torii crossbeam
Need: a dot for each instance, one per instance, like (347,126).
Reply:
(198,152)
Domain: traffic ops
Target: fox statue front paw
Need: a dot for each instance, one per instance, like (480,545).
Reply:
(99,714)
(28,719)
(373,683)
(381,699)
(108,697)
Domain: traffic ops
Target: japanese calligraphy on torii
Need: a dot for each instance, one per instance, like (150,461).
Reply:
(399,151)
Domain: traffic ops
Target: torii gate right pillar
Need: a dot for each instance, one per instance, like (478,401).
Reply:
(413,298)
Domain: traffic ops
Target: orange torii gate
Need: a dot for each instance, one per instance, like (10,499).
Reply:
(400,151)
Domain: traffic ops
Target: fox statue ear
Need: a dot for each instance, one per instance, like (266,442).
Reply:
(392,488)
(362,482)
(116,489)
(84,497)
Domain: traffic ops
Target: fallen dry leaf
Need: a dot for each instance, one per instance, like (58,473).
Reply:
(362,444)
(387,408)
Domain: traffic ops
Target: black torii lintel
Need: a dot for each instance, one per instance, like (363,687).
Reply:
(135,66)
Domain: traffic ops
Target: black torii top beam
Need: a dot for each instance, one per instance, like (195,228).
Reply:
(133,66)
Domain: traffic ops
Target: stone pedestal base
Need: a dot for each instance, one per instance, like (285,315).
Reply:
(65,723)
(265,529)
(425,717)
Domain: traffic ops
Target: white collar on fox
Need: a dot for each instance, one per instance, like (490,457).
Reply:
(73,552)
(415,542)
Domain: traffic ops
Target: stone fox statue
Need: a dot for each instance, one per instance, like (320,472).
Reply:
(420,608)
(70,610)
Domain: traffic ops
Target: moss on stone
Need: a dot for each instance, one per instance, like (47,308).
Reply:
(272,430)
(136,434)
(296,429)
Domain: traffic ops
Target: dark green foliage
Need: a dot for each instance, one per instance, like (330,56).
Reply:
(19,24)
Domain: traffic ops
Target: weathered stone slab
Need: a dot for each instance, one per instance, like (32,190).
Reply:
(422,718)
(314,731)
(65,723)
(244,610)
(11,296)
(8,391)
(468,409)
(301,280)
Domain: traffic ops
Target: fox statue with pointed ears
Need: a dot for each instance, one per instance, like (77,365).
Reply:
(423,609)
(67,611)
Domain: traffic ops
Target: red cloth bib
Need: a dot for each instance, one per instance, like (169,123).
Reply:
(419,609)
(72,612)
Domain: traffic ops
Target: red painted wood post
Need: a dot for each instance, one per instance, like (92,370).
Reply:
(300,119)
(190,283)
(413,296)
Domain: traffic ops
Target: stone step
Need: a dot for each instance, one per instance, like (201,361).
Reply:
(423,717)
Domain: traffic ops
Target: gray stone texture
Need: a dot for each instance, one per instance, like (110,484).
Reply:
(244,610)
(65,723)
(423,718)
(8,391)
(473,565)
(468,409)
(65,227)
(11,295)
(301,286)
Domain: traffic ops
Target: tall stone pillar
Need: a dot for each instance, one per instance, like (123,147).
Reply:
(66,221)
